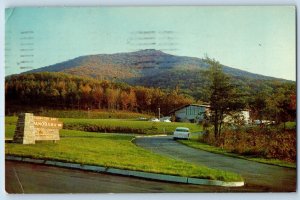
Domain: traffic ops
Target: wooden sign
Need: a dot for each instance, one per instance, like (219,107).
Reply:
(32,128)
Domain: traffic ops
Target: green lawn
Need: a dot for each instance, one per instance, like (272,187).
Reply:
(112,151)
(9,131)
(125,126)
(10,126)
(198,145)
(11,120)
(85,114)
(92,114)
(119,125)
(290,125)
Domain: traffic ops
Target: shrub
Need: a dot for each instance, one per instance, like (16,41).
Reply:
(266,142)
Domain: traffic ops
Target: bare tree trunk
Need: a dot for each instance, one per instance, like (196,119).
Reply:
(216,125)
(220,124)
(220,127)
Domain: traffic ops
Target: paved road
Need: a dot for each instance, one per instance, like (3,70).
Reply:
(33,178)
(256,175)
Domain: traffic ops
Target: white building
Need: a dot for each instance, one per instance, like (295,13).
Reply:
(191,113)
(242,116)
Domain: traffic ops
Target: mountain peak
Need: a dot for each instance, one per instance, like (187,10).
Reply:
(149,51)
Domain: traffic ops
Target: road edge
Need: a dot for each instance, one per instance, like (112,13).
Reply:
(241,157)
(124,172)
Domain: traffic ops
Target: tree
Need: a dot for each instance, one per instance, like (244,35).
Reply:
(85,90)
(124,100)
(98,94)
(223,95)
(112,96)
(258,105)
(132,100)
(280,104)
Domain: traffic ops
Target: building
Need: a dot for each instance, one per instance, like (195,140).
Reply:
(196,113)
(241,116)
(190,113)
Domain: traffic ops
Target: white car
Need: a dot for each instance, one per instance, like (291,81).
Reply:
(154,120)
(181,133)
(142,118)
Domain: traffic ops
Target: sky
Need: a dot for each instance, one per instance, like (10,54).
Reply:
(258,39)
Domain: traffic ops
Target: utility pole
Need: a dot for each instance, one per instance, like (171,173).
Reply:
(159,113)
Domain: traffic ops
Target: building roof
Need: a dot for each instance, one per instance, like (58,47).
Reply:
(197,105)
(185,128)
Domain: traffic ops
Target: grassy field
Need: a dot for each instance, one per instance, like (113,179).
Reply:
(10,126)
(93,114)
(198,145)
(125,126)
(119,125)
(144,127)
(290,125)
(85,114)
(112,151)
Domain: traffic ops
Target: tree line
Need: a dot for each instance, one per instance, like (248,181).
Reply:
(59,90)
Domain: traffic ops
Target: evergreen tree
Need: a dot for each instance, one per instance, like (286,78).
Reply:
(224,96)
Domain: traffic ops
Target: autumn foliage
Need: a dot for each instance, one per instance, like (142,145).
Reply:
(272,142)
(59,90)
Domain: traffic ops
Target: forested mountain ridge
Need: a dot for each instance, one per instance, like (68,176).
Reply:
(153,68)
(141,63)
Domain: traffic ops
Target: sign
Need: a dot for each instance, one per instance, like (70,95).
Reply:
(32,128)
(46,128)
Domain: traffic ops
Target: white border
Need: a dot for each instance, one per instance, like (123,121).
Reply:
(211,196)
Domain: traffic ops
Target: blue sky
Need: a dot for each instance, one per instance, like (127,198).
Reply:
(255,39)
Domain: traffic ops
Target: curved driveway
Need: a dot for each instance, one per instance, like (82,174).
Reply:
(257,175)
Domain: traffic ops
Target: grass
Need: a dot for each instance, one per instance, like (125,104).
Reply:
(198,145)
(125,126)
(290,125)
(146,127)
(93,114)
(11,120)
(84,114)
(9,131)
(119,125)
(113,151)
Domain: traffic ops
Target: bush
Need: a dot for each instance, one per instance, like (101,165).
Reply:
(266,142)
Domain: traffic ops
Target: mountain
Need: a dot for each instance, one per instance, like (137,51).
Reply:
(141,63)
(149,68)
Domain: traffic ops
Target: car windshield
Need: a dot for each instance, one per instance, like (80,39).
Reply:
(182,130)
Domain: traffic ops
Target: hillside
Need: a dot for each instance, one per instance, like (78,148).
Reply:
(135,64)
(151,68)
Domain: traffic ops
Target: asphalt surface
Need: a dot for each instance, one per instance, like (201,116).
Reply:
(29,178)
(258,176)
